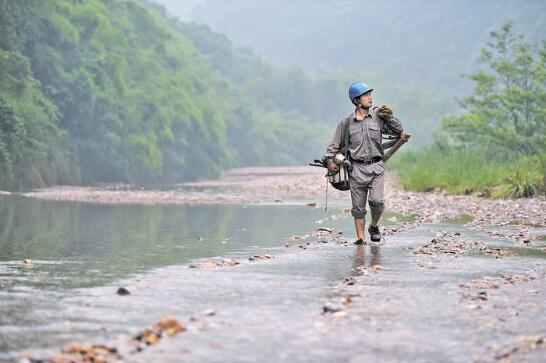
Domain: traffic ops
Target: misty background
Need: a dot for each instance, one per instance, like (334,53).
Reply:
(414,53)
(159,91)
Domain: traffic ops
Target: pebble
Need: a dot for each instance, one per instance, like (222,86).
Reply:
(331,308)
(450,243)
(123,291)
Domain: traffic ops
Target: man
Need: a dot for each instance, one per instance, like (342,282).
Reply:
(366,155)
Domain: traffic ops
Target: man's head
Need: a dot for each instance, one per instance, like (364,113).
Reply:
(361,94)
(364,100)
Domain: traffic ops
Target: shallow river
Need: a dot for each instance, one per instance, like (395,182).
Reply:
(267,311)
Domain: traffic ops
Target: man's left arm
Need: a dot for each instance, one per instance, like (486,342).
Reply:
(392,126)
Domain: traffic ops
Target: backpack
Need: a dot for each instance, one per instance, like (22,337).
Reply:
(340,179)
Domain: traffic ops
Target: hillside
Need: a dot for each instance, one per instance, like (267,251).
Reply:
(119,91)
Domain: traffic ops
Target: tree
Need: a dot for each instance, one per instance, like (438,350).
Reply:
(506,113)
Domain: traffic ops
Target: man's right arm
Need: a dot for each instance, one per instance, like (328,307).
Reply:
(333,146)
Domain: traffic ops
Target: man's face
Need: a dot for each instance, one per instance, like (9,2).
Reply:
(366,99)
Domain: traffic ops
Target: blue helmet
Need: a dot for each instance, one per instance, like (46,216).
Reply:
(357,89)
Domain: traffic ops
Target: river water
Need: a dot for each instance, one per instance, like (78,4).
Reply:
(267,311)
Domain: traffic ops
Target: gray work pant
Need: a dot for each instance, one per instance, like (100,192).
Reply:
(367,183)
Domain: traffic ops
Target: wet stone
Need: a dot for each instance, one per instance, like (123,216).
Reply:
(451,243)
(330,308)
(123,291)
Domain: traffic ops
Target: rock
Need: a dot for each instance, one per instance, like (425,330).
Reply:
(102,353)
(325,229)
(209,312)
(261,257)
(496,233)
(505,353)
(169,325)
(312,205)
(230,262)
(87,353)
(27,261)
(349,281)
(450,243)
(151,339)
(151,336)
(123,291)
(533,339)
(482,295)
(331,308)
(204,265)
(496,252)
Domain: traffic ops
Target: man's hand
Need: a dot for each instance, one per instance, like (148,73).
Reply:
(385,112)
(332,167)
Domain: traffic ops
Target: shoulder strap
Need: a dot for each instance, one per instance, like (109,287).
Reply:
(346,134)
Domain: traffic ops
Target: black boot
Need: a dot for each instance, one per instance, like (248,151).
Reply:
(359,241)
(375,235)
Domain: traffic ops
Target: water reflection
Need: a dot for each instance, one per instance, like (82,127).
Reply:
(98,242)
(82,252)
(373,258)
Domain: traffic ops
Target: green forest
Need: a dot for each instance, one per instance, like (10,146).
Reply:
(119,91)
(98,91)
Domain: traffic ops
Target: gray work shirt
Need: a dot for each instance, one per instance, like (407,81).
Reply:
(365,136)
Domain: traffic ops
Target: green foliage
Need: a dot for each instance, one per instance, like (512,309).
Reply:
(507,110)
(458,170)
(495,149)
(524,179)
(469,171)
(100,91)
(29,136)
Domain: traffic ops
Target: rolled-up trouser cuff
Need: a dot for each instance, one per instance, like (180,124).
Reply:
(358,214)
(376,206)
